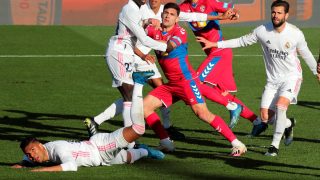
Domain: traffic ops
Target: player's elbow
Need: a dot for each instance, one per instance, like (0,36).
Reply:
(70,166)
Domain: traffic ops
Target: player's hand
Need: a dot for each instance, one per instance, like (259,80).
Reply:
(155,23)
(227,15)
(150,59)
(17,166)
(318,77)
(206,44)
(318,66)
(235,14)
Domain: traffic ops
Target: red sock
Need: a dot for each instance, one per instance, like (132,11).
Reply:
(246,112)
(213,95)
(153,120)
(219,125)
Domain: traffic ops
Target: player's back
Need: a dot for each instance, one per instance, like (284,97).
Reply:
(84,153)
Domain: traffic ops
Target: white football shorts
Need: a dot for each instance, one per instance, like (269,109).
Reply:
(121,67)
(288,88)
(108,146)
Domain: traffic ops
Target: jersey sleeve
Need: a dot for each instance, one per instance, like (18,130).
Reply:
(131,20)
(221,6)
(144,49)
(242,41)
(179,37)
(67,161)
(190,17)
(305,53)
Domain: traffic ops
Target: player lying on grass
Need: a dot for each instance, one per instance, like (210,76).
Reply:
(183,83)
(280,42)
(69,155)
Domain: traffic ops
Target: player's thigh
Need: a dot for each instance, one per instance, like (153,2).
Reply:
(155,99)
(120,158)
(270,96)
(121,67)
(108,143)
(289,90)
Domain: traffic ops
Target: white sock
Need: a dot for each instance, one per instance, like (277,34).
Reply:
(288,123)
(111,111)
(280,125)
(137,154)
(236,143)
(137,116)
(165,117)
(231,106)
(127,121)
(126,114)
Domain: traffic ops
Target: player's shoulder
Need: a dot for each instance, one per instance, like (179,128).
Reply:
(293,28)
(179,29)
(265,27)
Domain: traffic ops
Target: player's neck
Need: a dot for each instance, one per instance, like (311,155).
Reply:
(155,9)
(46,157)
(167,29)
(280,28)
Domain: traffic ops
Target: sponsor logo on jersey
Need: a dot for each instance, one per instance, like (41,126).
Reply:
(275,53)
(287,45)
(202,8)
(268,42)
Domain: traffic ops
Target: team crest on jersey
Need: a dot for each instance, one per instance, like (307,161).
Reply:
(202,8)
(287,45)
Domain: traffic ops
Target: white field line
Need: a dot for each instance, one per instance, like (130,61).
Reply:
(100,55)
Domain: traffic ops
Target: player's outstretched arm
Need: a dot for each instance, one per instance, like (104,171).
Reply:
(48,169)
(207,44)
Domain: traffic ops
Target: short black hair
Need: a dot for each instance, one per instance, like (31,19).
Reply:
(282,3)
(172,5)
(25,142)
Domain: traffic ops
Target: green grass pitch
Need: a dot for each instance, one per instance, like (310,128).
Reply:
(49,96)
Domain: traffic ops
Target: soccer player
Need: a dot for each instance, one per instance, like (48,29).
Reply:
(120,61)
(216,70)
(182,84)
(69,155)
(318,67)
(280,42)
(149,11)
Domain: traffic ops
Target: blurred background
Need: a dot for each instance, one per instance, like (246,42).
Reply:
(303,13)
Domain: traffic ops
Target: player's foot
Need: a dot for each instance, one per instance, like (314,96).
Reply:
(272,151)
(166,145)
(288,132)
(235,115)
(239,150)
(141,77)
(92,126)
(258,129)
(152,153)
(174,134)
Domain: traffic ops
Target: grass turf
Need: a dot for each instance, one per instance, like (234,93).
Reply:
(48,97)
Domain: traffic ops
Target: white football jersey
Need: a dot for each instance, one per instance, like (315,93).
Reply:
(73,154)
(129,29)
(279,50)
